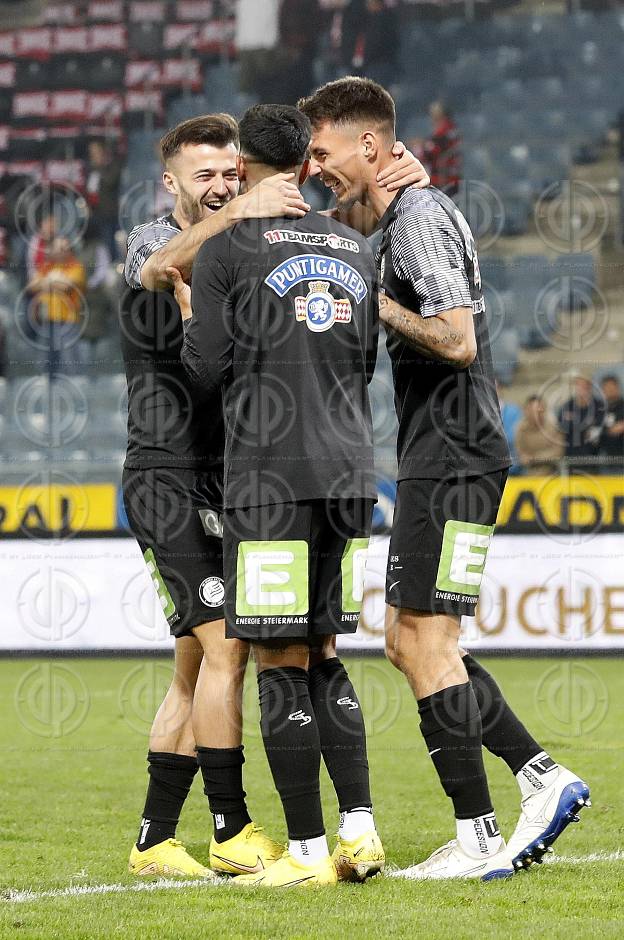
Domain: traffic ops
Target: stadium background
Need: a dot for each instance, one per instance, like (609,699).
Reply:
(536,97)
(536,94)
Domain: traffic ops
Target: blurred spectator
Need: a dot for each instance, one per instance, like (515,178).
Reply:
(103,191)
(96,259)
(370,39)
(39,244)
(612,437)
(539,443)
(297,42)
(441,153)
(511,415)
(257,36)
(581,420)
(58,288)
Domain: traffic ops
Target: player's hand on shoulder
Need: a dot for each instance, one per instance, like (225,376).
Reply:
(275,196)
(181,292)
(406,170)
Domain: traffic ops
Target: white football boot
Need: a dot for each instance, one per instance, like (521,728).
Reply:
(450,861)
(544,816)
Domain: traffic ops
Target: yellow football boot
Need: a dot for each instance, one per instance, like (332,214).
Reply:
(359,859)
(166,859)
(246,853)
(289,873)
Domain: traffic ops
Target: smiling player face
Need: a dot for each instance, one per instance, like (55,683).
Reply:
(203,178)
(338,158)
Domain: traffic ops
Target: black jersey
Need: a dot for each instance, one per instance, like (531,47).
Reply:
(285,320)
(449,419)
(168,424)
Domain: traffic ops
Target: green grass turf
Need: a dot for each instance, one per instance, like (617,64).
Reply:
(71,798)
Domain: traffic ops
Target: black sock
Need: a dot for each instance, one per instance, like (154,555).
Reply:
(171,776)
(293,748)
(503,732)
(342,732)
(222,770)
(451,726)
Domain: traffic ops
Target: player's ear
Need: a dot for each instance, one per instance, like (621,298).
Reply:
(304,172)
(241,168)
(370,146)
(169,182)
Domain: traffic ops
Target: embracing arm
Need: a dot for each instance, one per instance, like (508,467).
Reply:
(447,337)
(208,339)
(275,196)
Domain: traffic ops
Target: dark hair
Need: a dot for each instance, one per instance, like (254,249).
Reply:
(277,135)
(610,378)
(533,398)
(351,100)
(216,129)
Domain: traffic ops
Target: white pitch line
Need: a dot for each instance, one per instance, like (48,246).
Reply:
(20,897)
(169,884)
(617,856)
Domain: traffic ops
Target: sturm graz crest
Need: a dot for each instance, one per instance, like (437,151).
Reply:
(319,309)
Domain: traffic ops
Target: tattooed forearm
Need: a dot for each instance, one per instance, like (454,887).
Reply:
(432,337)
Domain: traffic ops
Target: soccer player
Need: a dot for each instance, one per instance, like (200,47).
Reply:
(453,462)
(173,495)
(285,321)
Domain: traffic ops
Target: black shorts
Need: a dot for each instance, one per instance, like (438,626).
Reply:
(440,537)
(176,517)
(295,570)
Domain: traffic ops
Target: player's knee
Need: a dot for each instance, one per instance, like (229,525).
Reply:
(392,655)
(228,661)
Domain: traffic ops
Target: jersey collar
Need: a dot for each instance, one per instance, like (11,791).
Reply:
(390,213)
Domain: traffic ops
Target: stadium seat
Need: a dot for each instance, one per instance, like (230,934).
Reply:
(477,163)
(576,276)
(107,391)
(145,38)
(186,106)
(473,125)
(529,275)
(517,211)
(482,207)
(494,272)
(505,346)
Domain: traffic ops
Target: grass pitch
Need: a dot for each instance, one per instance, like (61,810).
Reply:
(73,772)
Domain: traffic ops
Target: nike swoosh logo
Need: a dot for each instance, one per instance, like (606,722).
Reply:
(251,869)
(435,752)
(394,585)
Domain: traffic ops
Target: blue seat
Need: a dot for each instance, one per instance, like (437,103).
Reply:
(477,163)
(482,207)
(517,214)
(494,272)
(529,276)
(505,347)
(473,124)
(186,106)
(576,279)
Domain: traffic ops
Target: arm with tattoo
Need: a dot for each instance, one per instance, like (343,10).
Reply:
(448,337)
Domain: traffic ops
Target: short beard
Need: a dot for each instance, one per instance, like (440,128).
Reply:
(192,209)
